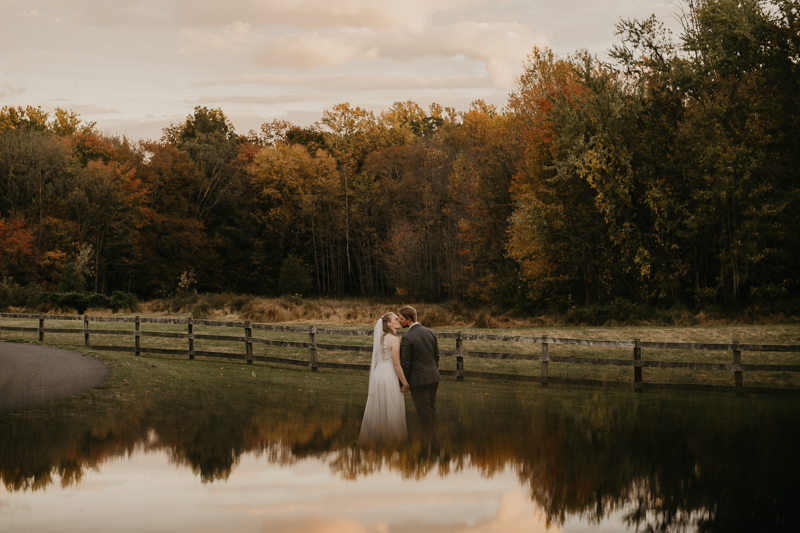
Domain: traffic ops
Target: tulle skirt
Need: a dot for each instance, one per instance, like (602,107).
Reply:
(385,415)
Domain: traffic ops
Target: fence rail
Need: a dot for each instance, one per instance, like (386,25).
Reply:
(636,362)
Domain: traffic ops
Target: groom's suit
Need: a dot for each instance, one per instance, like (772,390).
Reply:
(419,357)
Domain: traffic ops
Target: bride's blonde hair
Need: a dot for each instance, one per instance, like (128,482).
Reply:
(385,319)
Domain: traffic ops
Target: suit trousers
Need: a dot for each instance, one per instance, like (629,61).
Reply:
(424,397)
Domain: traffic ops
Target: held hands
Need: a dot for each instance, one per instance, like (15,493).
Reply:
(405,388)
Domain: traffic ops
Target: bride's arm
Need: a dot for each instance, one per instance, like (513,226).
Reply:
(395,346)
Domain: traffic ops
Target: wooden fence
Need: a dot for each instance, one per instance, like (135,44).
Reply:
(460,353)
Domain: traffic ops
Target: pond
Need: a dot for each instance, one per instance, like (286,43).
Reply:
(507,458)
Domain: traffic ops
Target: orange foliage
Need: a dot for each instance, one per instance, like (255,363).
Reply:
(17,250)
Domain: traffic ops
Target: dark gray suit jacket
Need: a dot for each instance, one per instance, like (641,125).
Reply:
(419,356)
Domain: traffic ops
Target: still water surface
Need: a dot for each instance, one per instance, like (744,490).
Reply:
(529,460)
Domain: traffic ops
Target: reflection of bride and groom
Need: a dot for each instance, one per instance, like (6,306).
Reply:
(414,361)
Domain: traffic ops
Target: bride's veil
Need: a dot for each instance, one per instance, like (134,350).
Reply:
(377,340)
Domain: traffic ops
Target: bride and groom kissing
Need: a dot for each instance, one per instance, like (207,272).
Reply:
(414,361)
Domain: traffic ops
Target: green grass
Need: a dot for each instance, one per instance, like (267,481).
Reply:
(771,334)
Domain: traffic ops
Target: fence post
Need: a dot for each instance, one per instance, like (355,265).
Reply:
(191,338)
(637,370)
(312,339)
(248,343)
(41,328)
(86,330)
(1,327)
(136,335)
(459,357)
(545,361)
(737,374)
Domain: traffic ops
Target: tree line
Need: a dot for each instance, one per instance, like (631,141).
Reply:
(666,175)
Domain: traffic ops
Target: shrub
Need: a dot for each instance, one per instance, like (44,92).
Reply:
(484,320)
(124,300)
(182,300)
(15,295)
(82,301)
(71,280)
(202,310)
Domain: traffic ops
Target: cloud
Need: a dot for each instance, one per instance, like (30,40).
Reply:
(7,90)
(247,99)
(147,129)
(312,50)
(233,38)
(409,15)
(501,47)
(357,82)
(93,109)
(310,34)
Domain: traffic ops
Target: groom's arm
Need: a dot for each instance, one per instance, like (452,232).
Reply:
(405,355)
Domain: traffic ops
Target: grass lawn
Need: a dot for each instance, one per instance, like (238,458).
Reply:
(767,334)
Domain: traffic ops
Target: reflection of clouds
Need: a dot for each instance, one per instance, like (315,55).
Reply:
(515,513)
(318,524)
(8,508)
(144,491)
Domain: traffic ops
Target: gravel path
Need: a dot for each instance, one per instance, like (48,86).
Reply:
(31,375)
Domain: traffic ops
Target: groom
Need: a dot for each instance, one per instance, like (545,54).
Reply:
(419,357)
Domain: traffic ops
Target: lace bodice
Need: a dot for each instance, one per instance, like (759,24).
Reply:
(386,352)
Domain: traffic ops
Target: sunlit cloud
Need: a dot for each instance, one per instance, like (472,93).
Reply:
(312,50)
(500,46)
(318,524)
(231,38)
(410,15)
(147,57)
(515,514)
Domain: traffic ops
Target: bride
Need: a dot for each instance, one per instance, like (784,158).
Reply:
(385,414)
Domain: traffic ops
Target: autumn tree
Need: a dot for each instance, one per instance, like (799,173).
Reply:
(18,253)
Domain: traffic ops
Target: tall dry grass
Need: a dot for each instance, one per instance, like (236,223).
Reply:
(358,311)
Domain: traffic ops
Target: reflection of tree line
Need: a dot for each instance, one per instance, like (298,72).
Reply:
(668,470)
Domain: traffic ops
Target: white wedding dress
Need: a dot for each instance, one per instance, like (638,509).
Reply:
(385,415)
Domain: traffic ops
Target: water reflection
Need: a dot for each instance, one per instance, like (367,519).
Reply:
(662,463)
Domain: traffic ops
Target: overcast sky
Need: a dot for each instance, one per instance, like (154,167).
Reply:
(136,66)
